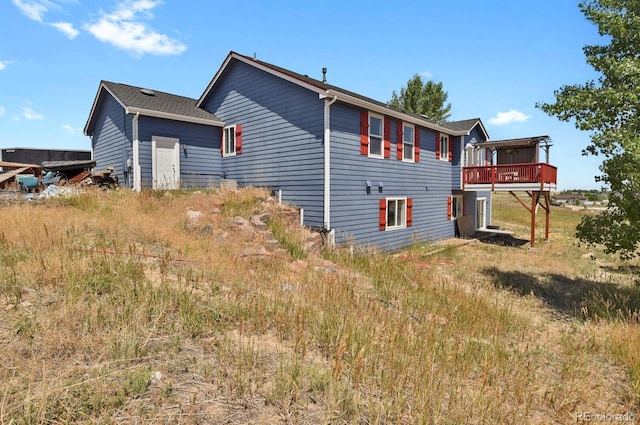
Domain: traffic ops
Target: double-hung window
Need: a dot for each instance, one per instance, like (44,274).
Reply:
(376,136)
(229,138)
(408,142)
(232,140)
(444,147)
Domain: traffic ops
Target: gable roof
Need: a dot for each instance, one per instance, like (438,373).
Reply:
(467,125)
(326,90)
(153,103)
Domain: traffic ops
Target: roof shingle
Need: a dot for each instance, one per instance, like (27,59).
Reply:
(153,100)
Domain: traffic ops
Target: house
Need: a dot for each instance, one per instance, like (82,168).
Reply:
(361,171)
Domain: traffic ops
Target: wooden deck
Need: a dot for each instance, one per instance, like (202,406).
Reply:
(538,176)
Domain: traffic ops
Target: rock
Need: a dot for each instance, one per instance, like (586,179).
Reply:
(193,219)
(258,221)
(155,377)
(287,287)
(273,244)
(241,222)
(298,266)
(247,252)
(207,229)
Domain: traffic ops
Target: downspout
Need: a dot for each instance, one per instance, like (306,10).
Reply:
(327,163)
(136,155)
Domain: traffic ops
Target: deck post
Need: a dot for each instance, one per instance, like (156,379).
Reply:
(546,223)
(534,201)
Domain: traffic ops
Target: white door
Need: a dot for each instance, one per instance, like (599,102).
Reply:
(166,163)
(481,213)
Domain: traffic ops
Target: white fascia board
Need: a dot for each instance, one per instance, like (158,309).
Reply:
(261,67)
(95,103)
(389,112)
(175,117)
(484,130)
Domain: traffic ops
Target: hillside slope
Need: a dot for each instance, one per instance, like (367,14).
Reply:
(216,307)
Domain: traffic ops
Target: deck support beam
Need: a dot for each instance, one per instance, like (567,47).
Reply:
(536,197)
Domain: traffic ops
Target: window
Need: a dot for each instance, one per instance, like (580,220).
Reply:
(457,207)
(408,142)
(375,136)
(232,140)
(444,147)
(396,213)
(475,156)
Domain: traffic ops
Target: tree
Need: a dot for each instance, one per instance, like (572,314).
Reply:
(610,110)
(427,99)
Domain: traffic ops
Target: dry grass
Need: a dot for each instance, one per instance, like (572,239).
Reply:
(128,308)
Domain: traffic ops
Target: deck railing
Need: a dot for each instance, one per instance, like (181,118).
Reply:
(512,173)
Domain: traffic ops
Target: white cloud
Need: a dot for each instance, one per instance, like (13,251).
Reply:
(2,111)
(30,114)
(426,74)
(123,28)
(70,129)
(67,29)
(34,9)
(3,64)
(503,118)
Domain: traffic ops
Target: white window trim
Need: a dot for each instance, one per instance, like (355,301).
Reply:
(482,201)
(404,215)
(457,206)
(381,118)
(444,154)
(224,141)
(413,143)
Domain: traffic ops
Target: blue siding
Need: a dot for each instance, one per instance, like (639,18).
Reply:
(282,135)
(200,164)
(456,172)
(354,213)
(111,136)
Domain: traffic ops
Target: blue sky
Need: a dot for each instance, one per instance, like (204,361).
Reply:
(496,59)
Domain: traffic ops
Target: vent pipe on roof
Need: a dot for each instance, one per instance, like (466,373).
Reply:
(324,75)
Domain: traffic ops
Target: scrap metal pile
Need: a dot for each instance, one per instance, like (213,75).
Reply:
(33,178)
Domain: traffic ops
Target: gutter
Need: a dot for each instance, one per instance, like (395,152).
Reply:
(137,186)
(390,112)
(175,117)
(327,160)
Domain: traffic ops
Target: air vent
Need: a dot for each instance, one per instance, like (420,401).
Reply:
(148,92)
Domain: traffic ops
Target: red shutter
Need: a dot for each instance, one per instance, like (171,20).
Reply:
(387,137)
(416,156)
(383,214)
(399,140)
(437,145)
(449,207)
(450,148)
(409,212)
(238,139)
(364,133)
